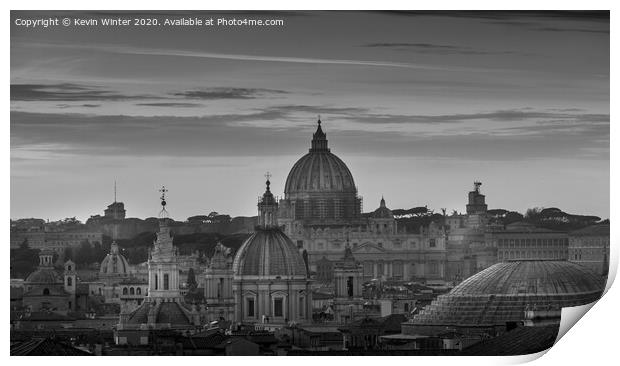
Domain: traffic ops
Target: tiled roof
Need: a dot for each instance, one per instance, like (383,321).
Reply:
(171,312)
(521,341)
(46,347)
(167,312)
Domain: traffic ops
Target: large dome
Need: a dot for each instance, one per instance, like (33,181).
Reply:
(502,293)
(114,263)
(269,253)
(319,171)
(44,276)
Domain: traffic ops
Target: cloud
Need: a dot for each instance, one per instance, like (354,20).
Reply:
(272,132)
(66,92)
(86,105)
(436,48)
(500,115)
(170,104)
(582,30)
(126,50)
(512,15)
(80,92)
(227,93)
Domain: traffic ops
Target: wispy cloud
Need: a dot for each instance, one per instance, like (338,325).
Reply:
(261,58)
(67,92)
(436,48)
(170,104)
(227,93)
(273,131)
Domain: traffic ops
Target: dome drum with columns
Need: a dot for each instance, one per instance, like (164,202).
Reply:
(270,281)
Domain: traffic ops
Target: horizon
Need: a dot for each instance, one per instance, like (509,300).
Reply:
(419,105)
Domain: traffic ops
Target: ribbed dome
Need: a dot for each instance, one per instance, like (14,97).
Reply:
(270,253)
(531,278)
(44,276)
(114,263)
(502,293)
(319,170)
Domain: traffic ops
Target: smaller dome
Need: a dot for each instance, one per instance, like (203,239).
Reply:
(114,263)
(270,253)
(382,212)
(44,276)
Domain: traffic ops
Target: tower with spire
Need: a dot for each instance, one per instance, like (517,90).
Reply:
(162,263)
(164,307)
(116,210)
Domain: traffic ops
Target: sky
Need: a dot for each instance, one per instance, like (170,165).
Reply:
(417,104)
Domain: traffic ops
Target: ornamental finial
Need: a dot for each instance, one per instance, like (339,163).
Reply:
(163,213)
(268,183)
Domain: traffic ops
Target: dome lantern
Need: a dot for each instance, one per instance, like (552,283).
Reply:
(319,139)
(267,207)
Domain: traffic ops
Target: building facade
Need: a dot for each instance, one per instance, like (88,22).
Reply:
(590,248)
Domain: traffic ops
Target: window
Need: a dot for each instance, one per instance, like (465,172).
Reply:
(380,244)
(166,282)
(46,292)
(350,286)
(250,307)
(300,243)
(156,282)
(432,243)
(220,287)
(278,307)
(69,281)
(139,291)
(124,290)
(302,305)
(132,291)
(69,268)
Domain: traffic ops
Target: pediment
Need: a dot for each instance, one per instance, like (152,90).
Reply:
(369,248)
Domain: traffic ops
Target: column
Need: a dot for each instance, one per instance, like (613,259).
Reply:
(374,270)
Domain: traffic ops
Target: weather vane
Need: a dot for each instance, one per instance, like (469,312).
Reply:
(163,213)
(268,175)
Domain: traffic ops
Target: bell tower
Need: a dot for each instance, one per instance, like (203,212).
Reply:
(162,263)
(70,283)
(348,278)
(218,290)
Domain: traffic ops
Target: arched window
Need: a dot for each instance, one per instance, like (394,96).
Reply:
(131,291)
(69,281)
(69,268)
(46,292)
(124,290)
(138,291)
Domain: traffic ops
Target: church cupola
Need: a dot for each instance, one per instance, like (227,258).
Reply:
(268,208)
(46,259)
(319,139)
